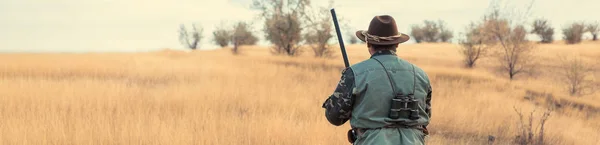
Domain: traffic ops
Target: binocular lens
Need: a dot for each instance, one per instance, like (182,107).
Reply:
(414,114)
(394,114)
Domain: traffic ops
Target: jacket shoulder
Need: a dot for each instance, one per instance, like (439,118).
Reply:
(362,66)
(420,72)
(362,63)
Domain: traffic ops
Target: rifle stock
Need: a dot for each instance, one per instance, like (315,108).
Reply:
(340,39)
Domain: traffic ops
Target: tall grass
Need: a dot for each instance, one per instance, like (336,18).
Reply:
(213,97)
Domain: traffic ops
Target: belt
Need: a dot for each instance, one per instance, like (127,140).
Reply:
(360,131)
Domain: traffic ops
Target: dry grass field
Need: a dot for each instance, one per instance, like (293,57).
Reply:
(213,97)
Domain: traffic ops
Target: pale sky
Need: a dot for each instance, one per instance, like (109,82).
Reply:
(143,25)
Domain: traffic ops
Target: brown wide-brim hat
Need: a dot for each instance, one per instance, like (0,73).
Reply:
(382,31)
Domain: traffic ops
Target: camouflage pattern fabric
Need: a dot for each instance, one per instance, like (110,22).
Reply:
(339,105)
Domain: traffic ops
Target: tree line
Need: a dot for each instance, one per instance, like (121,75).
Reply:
(290,24)
(287,24)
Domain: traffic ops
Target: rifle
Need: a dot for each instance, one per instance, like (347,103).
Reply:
(339,36)
(350,134)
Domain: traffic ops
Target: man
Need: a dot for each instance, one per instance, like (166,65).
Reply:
(386,98)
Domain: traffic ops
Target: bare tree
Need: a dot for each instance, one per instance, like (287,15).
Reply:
(283,23)
(192,38)
(320,32)
(472,51)
(474,46)
(242,35)
(574,32)
(593,29)
(576,74)
(542,28)
(515,53)
(222,36)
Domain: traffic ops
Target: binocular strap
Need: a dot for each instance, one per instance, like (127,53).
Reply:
(392,82)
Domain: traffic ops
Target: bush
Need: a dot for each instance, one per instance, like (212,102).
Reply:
(542,28)
(431,32)
(283,23)
(530,134)
(593,29)
(417,33)
(445,34)
(353,39)
(190,39)
(242,35)
(222,37)
(573,33)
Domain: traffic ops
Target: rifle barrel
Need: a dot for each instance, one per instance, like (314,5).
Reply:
(339,36)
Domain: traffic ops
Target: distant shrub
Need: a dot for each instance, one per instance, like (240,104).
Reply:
(431,31)
(222,37)
(542,28)
(242,35)
(593,29)
(417,34)
(353,39)
(573,33)
(190,38)
(284,22)
(445,34)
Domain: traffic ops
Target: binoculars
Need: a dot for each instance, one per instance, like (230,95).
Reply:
(404,106)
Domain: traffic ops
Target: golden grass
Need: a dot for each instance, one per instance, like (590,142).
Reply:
(212,97)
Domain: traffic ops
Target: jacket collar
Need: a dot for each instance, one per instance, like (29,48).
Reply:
(383,52)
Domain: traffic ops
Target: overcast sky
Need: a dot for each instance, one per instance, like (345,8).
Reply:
(142,25)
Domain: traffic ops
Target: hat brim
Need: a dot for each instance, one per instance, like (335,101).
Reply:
(403,38)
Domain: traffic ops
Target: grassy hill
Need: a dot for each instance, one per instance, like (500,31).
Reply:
(213,97)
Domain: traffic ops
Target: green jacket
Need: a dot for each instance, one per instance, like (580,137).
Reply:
(364,95)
